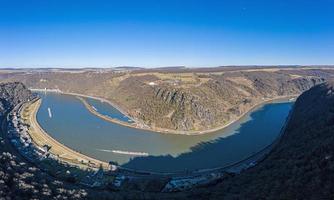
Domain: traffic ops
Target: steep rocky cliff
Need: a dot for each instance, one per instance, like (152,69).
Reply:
(217,101)
(301,166)
(12,94)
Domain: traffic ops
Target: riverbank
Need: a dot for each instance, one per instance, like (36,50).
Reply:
(42,139)
(139,125)
(104,117)
(194,176)
(170,131)
(88,96)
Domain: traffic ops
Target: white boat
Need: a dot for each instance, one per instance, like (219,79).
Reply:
(49,111)
(94,108)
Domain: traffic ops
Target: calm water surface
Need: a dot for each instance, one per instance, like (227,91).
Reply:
(73,125)
(105,109)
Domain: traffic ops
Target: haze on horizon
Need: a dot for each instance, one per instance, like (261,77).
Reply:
(169,33)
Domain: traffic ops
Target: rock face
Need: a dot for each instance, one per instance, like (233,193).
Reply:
(185,104)
(12,94)
(186,101)
(301,166)
(217,101)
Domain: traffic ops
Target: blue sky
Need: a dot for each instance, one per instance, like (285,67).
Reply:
(64,33)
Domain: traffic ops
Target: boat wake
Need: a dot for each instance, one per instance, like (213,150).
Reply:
(124,152)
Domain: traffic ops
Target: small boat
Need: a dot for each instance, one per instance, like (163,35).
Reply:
(49,111)
(94,108)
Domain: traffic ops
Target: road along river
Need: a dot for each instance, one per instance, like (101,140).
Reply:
(66,119)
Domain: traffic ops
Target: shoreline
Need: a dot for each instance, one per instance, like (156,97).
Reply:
(73,157)
(87,96)
(77,155)
(141,126)
(104,117)
(190,133)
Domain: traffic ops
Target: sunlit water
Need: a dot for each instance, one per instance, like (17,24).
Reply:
(105,109)
(73,125)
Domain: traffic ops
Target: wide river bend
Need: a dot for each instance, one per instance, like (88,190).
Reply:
(73,125)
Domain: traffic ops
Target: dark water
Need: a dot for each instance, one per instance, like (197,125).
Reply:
(105,109)
(73,125)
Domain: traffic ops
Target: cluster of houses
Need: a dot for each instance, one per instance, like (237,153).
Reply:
(20,138)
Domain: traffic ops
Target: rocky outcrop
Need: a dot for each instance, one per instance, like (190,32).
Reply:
(188,108)
(12,94)
(174,96)
(221,99)
(269,84)
(301,164)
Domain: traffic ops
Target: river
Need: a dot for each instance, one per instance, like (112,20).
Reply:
(73,125)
